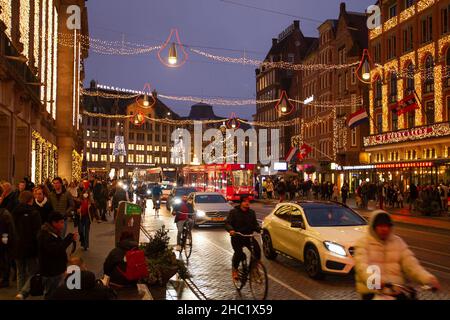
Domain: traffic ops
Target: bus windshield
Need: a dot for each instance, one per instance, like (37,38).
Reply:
(242,178)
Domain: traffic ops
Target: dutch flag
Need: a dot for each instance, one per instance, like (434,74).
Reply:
(357,118)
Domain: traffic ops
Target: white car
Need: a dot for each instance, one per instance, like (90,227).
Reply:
(210,208)
(322,235)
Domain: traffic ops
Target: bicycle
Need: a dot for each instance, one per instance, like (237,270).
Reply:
(253,271)
(186,239)
(156,207)
(392,291)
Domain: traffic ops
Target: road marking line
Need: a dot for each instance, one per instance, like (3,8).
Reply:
(431,251)
(301,294)
(435,265)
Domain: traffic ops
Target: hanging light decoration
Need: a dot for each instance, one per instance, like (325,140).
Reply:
(147,100)
(138,119)
(284,105)
(119,146)
(177,55)
(364,68)
(233,123)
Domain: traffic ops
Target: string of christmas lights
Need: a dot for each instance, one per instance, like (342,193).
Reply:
(130,94)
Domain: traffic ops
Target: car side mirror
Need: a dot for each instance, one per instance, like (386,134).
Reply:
(298,224)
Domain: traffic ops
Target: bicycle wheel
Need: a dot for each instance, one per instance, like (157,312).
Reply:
(243,273)
(187,244)
(259,283)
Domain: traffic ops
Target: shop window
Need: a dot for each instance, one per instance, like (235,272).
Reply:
(427,29)
(393,88)
(394,124)
(380,123)
(354,137)
(378,93)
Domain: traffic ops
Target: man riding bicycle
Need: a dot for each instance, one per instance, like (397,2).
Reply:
(242,219)
(156,194)
(380,249)
(183,213)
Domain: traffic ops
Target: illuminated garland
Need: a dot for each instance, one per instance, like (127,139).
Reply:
(192,122)
(132,94)
(77,160)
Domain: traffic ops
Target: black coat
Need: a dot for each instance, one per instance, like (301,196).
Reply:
(44,211)
(52,251)
(27,222)
(90,290)
(243,222)
(11,201)
(115,259)
(7,227)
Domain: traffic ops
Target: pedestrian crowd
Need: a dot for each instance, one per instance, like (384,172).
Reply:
(34,224)
(426,199)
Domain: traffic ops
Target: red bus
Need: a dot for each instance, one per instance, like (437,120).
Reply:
(231,180)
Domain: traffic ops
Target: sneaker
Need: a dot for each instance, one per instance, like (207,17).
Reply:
(20,296)
(235,274)
(177,248)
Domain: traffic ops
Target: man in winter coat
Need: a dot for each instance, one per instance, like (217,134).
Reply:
(42,204)
(381,249)
(7,242)
(116,260)
(61,201)
(27,222)
(52,252)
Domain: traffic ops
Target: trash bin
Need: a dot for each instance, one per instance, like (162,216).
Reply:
(128,219)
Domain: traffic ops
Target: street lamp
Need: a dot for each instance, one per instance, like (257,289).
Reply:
(146,101)
(366,70)
(173,56)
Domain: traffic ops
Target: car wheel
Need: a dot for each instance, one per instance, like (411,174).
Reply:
(312,263)
(269,252)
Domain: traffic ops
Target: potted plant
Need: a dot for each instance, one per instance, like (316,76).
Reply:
(162,263)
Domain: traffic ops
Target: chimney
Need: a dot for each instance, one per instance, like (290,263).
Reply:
(297,24)
(155,94)
(93,84)
(342,8)
(274,41)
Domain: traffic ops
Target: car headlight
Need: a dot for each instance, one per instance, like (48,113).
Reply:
(200,213)
(335,248)
(177,201)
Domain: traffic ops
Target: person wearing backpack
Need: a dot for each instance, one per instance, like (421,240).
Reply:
(27,222)
(125,264)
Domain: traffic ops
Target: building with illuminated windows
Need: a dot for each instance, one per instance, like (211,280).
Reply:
(41,66)
(147,146)
(412,51)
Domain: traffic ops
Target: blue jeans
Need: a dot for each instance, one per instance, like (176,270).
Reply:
(51,284)
(26,268)
(84,228)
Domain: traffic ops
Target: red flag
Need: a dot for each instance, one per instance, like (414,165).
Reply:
(304,151)
(407,104)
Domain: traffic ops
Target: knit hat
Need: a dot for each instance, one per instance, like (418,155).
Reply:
(382,219)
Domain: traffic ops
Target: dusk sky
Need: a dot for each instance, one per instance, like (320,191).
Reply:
(201,23)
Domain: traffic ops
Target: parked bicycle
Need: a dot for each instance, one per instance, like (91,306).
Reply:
(253,271)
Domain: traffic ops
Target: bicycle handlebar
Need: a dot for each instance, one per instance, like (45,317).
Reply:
(254,234)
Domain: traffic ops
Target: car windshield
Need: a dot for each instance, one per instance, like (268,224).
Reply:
(332,216)
(184,191)
(210,198)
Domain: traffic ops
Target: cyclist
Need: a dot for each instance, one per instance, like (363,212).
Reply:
(156,194)
(242,219)
(183,213)
(380,249)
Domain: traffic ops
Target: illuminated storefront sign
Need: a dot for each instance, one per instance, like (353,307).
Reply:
(434,131)
(404,165)
(358,167)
